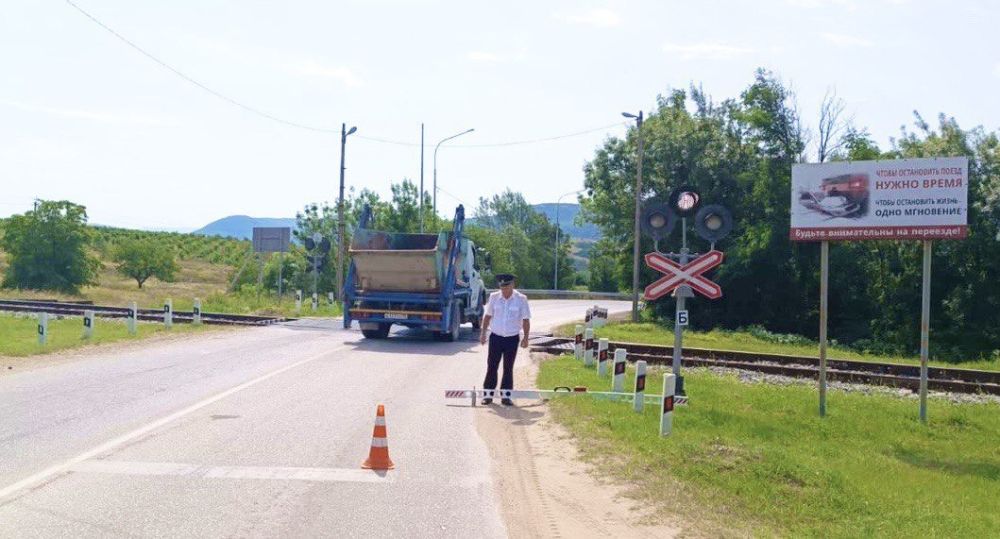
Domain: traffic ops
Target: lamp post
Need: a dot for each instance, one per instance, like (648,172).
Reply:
(341,247)
(638,199)
(555,253)
(434,203)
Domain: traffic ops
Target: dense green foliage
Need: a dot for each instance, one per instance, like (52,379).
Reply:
(141,260)
(740,153)
(758,457)
(47,248)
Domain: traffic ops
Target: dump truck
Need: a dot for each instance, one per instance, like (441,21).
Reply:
(429,281)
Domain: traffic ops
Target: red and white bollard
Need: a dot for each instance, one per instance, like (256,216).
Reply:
(588,347)
(618,380)
(602,357)
(667,408)
(640,384)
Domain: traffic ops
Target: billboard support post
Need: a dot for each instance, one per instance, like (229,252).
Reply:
(824,303)
(925,322)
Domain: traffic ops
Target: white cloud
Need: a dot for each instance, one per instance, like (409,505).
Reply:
(130,118)
(844,40)
(484,57)
(714,51)
(599,17)
(314,68)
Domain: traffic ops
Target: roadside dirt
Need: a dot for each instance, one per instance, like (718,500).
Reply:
(544,489)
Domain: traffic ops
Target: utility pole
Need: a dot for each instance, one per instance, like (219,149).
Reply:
(435,196)
(341,245)
(638,210)
(421,178)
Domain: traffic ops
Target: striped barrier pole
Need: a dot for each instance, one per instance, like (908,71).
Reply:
(88,324)
(578,342)
(43,328)
(588,347)
(640,384)
(548,394)
(196,312)
(298,301)
(133,315)
(667,410)
(618,381)
(168,313)
(602,357)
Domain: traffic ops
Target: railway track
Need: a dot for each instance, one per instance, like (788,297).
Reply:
(77,309)
(861,372)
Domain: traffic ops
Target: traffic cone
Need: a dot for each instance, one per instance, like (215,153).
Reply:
(378,456)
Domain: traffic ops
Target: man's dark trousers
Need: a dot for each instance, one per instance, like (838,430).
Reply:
(507,348)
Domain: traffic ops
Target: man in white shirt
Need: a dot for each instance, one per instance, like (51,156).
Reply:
(507,314)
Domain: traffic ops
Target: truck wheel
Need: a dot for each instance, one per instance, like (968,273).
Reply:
(456,324)
(379,333)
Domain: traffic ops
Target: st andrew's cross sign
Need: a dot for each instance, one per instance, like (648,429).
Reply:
(689,274)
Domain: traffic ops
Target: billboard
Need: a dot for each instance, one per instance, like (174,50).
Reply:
(901,199)
(271,239)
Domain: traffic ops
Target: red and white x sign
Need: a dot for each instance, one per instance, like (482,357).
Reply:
(689,274)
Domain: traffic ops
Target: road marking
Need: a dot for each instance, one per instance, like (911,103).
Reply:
(233,472)
(46,474)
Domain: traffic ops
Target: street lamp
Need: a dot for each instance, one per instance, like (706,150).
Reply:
(555,271)
(341,247)
(435,198)
(638,198)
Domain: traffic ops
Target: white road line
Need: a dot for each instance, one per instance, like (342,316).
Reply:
(65,466)
(233,472)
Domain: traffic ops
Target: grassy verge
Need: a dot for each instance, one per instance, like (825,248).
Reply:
(650,333)
(19,337)
(748,458)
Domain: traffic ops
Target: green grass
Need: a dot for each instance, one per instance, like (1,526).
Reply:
(267,304)
(756,459)
(651,333)
(19,337)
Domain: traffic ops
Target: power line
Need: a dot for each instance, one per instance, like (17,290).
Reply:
(298,125)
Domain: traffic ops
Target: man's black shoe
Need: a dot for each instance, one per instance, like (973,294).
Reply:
(506,402)
(487,400)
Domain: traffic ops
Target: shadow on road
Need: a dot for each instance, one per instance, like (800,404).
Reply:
(414,341)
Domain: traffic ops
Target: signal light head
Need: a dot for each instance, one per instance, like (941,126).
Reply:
(685,200)
(713,222)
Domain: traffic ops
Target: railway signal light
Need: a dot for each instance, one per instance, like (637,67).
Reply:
(713,222)
(657,221)
(685,201)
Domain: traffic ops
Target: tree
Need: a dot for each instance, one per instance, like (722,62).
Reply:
(832,127)
(141,260)
(47,248)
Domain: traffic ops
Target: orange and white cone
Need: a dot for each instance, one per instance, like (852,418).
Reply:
(378,456)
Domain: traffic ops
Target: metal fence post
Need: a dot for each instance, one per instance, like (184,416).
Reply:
(168,313)
(298,301)
(196,312)
(667,410)
(88,324)
(602,357)
(315,301)
(133,315)
(640,384)
(43,328)
(618,383)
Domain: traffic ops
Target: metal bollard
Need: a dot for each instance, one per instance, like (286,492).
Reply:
(588,347)
(578,342)
(618,383)
(43,328)
(602,357)
(196,312)
(168,314)
(667,410)
(133,315)
(315,301)
(298,301)
(88,324)
(640,384)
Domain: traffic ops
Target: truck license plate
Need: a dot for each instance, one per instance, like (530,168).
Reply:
(399,316)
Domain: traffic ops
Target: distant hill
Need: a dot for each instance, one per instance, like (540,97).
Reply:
(567,220)
(241,226)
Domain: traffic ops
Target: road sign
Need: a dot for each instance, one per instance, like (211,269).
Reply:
(682,318)
(689,274)
(271,239)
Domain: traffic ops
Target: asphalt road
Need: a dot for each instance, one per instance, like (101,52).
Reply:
(256,432)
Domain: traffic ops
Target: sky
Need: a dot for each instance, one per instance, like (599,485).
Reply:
(86,117)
